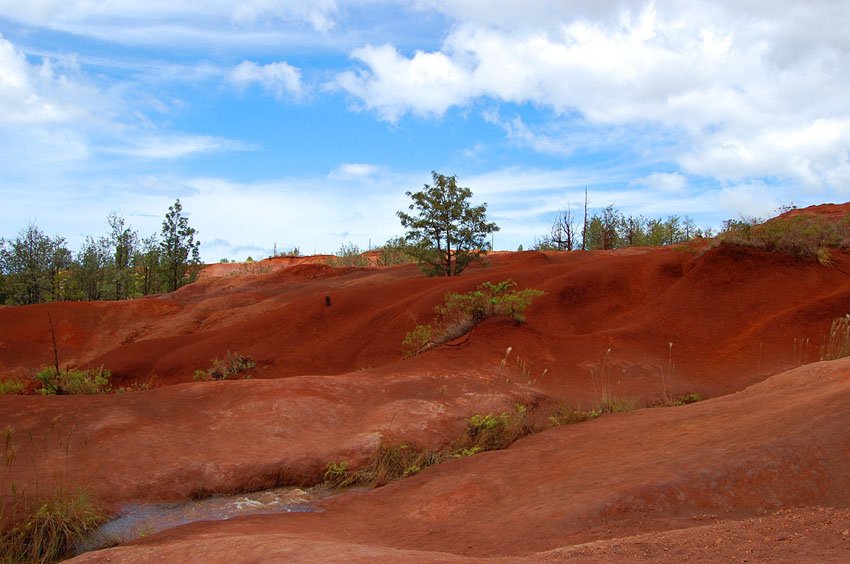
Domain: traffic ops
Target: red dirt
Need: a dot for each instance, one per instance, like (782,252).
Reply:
(721,479)
(331,384)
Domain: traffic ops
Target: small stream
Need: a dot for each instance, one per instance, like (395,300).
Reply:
(136,520)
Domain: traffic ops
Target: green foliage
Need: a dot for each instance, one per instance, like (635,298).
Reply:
(336,475)
(179,257)
(394,251)
(349,255)
(73,382)
(31,266)
(461,312)
(838,345)
(11,387)
(50,529)
(494,432)
(446,233)
(232,365)
(565,414)
(685,399)
(804,236)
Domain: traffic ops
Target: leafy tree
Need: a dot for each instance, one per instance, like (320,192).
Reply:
(445,233)
(90,270)
(602,230)
(146,264)
(179,250)
(31,265)
(124,242)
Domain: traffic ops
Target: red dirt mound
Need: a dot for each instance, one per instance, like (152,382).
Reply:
(733,316)
(693,470)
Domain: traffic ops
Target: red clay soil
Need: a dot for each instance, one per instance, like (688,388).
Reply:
(331,384)
(733,316)
(726,478)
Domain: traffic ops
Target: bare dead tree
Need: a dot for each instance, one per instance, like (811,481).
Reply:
(584,226)
(563,233)
(53,340)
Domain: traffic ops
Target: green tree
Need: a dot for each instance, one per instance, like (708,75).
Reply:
(179,250)
(123,242)
(146,265)
(31,265)
(602,230)
(90,270)
(445,233)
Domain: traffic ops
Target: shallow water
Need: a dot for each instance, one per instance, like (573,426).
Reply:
(137,521)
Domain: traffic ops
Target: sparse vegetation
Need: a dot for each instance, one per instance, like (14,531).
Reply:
(565,414)
(804,236)
(349,255)
(232,365)
(48,530)
(37,526)
(461,312)
(495,432)
(73,382)
(11,387)
(838,344)
(685,399)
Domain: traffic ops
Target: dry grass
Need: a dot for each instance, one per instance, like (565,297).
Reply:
(838,345)
(37,525)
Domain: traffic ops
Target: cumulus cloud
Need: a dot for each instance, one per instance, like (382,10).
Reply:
(735,82)
(280,79)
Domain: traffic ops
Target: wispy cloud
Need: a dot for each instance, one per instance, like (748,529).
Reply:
(280,79)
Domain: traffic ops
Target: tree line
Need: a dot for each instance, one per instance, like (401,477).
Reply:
(611,229)
(37,268)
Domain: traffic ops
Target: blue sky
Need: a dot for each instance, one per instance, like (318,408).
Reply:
(304,123)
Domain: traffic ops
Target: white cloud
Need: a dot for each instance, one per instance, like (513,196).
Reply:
(177,146)
(356,170)
(99,18)
(663,182)
(279,79)
(736,81)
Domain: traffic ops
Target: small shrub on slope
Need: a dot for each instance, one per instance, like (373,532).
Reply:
(73,382)
(461,312)
(232,365)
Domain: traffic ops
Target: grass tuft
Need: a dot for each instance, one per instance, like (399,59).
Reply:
(838,345)
(49,530)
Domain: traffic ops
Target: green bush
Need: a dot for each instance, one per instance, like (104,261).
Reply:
(461,312)
(10,387)
(349,255)
(232,365)
(73,382)
(495,432)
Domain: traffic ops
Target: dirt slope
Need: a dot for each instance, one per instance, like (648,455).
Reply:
(693,470)
(733,316)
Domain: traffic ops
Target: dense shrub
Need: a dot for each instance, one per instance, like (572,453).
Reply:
(73,382)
